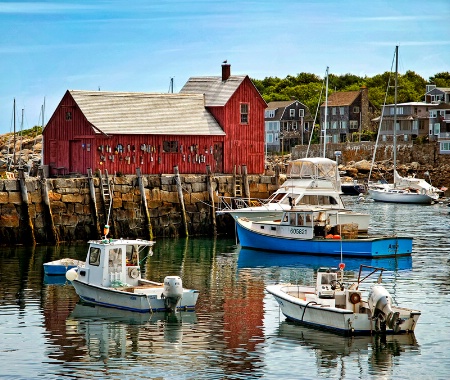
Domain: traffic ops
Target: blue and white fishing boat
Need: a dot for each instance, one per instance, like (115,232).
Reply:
(61,266)
(317,231)
(111,277)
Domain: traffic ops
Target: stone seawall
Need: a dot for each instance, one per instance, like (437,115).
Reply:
(47,211)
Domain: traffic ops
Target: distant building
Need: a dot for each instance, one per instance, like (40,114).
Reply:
(287,123)
(216,121)
(349,112)
(412,121)
(439,116)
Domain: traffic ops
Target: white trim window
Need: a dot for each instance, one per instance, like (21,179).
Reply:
(244,113)
(292,112)
(353,124)
(301,112)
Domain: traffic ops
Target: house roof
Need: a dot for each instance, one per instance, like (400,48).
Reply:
(217,92)
(146,113)
(280,104)
(342,98)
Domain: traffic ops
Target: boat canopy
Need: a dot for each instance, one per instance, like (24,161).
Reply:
(315,168)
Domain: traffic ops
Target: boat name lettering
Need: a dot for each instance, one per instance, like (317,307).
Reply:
(298,231)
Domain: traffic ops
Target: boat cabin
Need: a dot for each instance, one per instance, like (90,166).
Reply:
(317,222)
(114,262)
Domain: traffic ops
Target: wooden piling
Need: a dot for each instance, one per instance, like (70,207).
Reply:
(94,202)
(180,197)
(28,234)
(48,216)
(144,204)
(245,180)
(211,198)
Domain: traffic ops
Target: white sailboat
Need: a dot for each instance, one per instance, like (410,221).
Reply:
(403,189)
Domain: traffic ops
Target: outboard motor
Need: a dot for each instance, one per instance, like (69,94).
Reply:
(380,306)
(173,290)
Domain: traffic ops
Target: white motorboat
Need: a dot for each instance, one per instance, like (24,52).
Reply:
(332,305)
(111,277)
(309,181)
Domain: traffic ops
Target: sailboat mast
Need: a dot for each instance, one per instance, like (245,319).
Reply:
(325,118)
(14,135)
(395,111)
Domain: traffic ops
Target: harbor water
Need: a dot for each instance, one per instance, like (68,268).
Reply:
(237,331)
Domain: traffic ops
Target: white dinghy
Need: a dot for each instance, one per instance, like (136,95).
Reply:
(111,277)
(333,306)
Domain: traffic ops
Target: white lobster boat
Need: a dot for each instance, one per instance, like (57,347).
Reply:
(111,277)
(331,305)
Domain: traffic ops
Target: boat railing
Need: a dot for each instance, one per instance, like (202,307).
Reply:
(234,203)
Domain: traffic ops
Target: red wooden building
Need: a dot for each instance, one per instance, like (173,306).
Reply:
(216,121)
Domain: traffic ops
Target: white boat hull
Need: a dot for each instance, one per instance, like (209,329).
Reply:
(310,310)
(391,196)
(139,298)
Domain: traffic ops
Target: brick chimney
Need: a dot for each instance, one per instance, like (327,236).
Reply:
(226,71)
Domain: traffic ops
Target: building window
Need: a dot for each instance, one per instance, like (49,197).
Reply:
(353,124)
(68,115)
(301,112)
(170,146)
(445,146)
(341,110)
(270,114)
(333,111)
(244,113)
(355,109)
(334,125)
(269,138)
(292,112)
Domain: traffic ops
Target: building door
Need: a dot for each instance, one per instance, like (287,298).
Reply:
(218,157)
(75,157)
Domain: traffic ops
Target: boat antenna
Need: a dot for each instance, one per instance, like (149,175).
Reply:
(341,264)
(315,118)
(381,120)
(325,118)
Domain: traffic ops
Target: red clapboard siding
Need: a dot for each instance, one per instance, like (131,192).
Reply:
(80,147)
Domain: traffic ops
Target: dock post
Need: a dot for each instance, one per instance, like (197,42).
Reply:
(29,237)
(245,180)
(144,204)
(94,202)
(211,198)
(48,216)
(180,197)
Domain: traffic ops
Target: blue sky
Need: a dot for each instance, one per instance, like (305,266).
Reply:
(48,47)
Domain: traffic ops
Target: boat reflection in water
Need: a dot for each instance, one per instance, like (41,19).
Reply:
(117,333)
(249,258)
(330,348)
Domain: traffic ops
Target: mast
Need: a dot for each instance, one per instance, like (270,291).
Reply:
(395,111)
(325,119)
(14,135)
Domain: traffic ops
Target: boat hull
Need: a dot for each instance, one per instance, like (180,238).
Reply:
(342,321)
(60,267)
(368,247)
(147,300)
(399,197)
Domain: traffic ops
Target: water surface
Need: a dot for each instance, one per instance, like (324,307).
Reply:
(237,331)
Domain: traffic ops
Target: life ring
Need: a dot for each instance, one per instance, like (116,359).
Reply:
(133,272)
(355,298)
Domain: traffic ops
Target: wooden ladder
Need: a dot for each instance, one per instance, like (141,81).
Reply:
(106,189)
(237,177)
